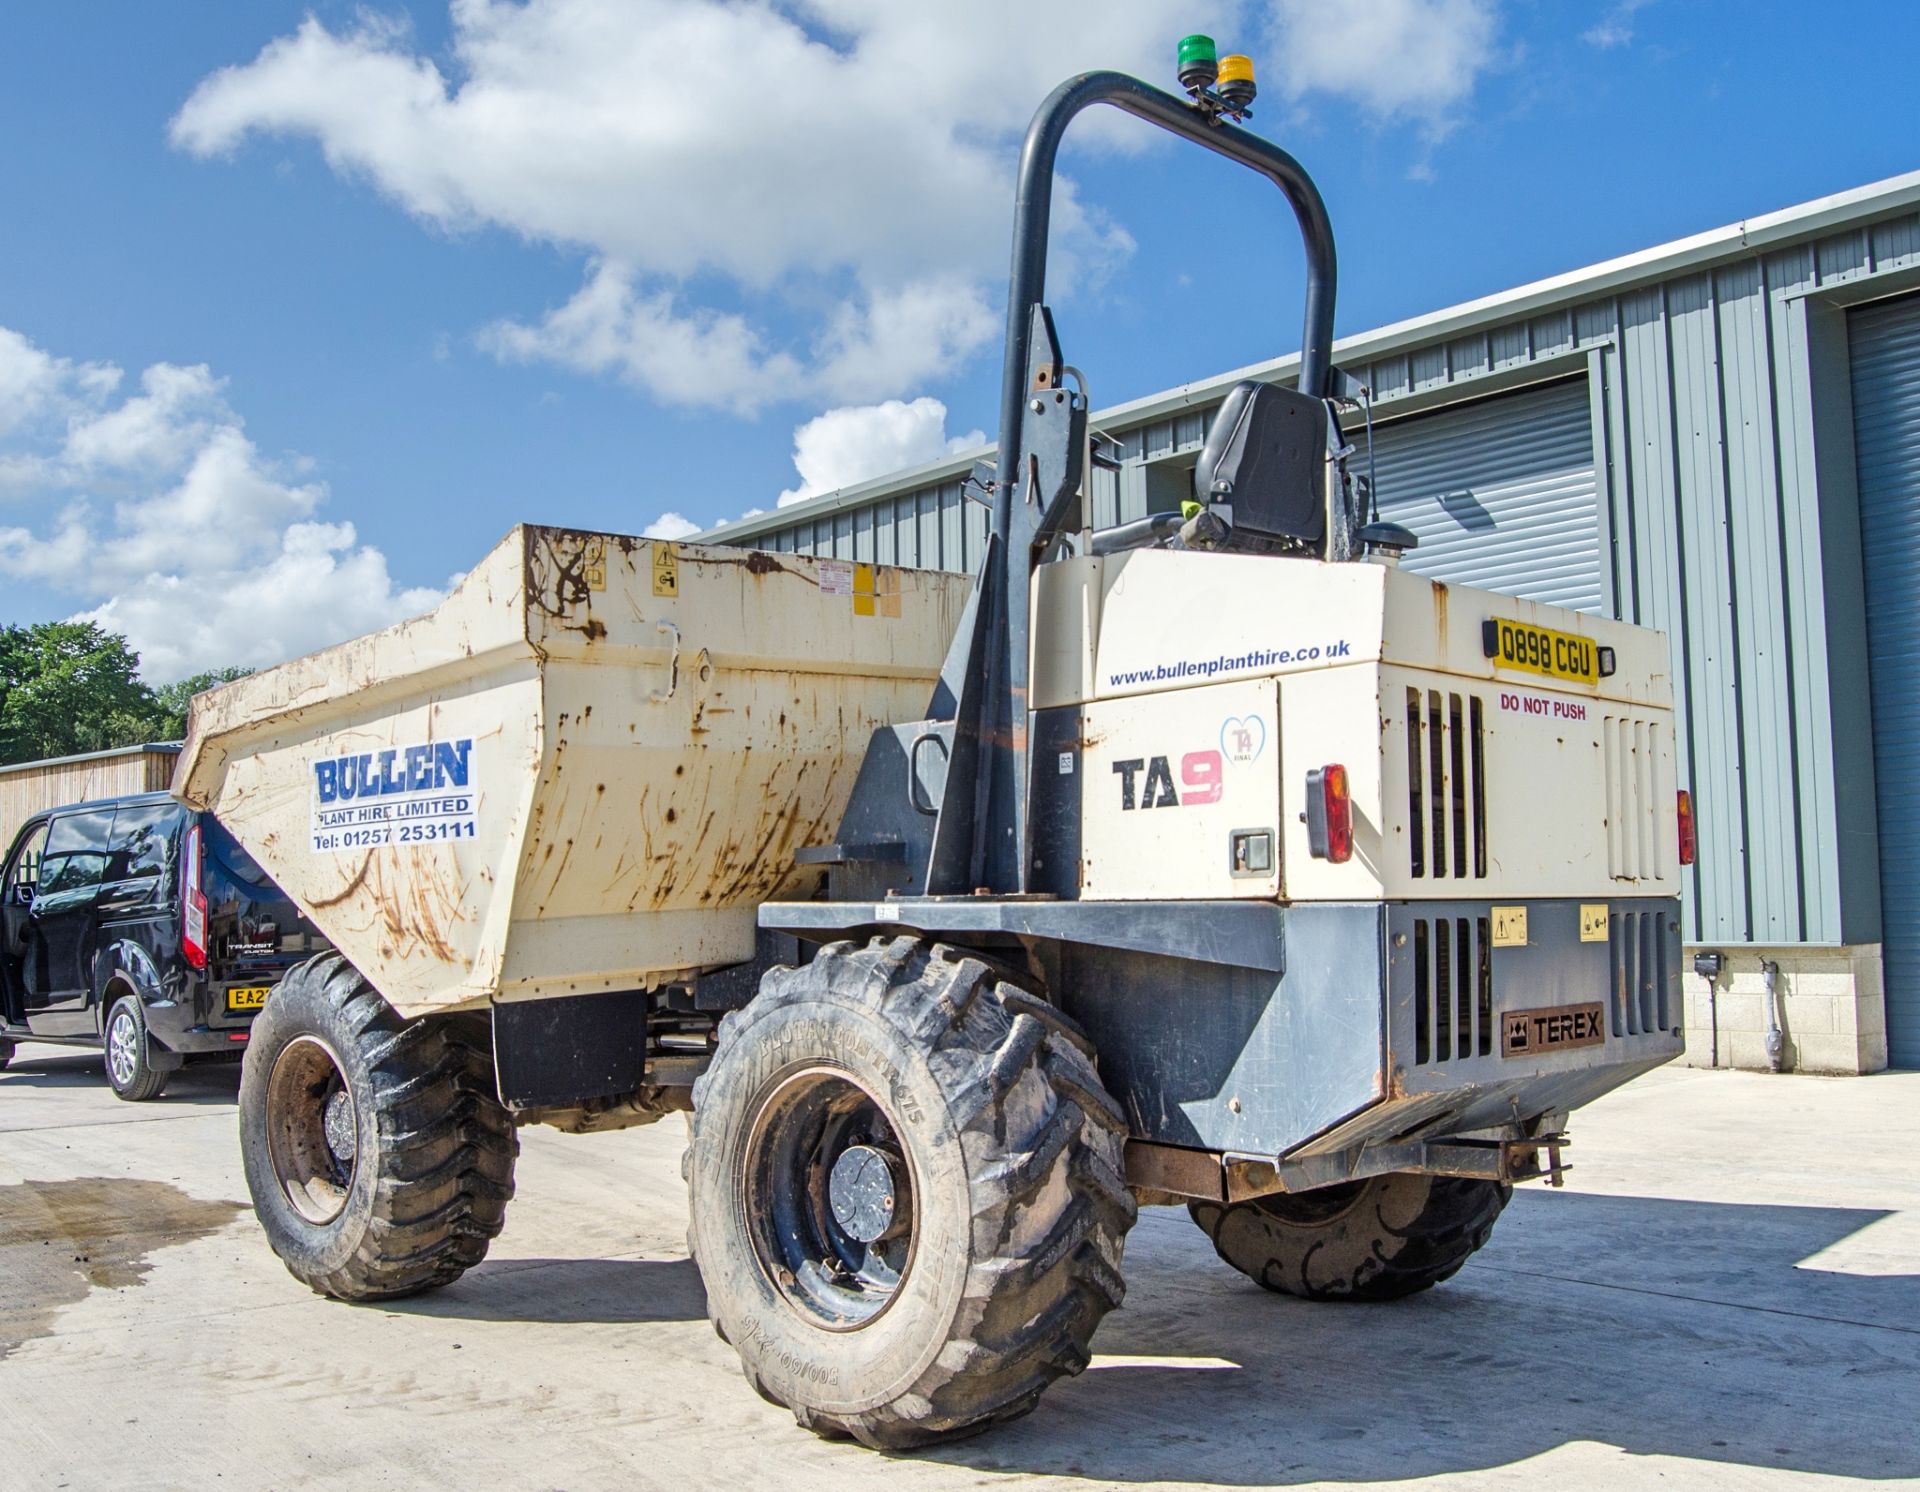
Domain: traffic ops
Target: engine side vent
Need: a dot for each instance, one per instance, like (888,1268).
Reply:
(1452,989)
(1642,980)
(1446,785)
(1635,847)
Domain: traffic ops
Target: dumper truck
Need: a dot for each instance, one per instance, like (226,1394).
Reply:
(1214,859)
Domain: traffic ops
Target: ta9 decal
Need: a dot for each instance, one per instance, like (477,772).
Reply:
(1147,782)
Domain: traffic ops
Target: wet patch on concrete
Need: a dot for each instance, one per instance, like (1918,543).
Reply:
(60,1240)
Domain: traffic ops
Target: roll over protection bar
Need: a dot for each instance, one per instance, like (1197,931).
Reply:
(981,840)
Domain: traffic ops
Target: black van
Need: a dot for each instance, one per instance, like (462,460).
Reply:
(142,927)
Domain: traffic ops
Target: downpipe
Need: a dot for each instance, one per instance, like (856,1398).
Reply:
(1776,1037)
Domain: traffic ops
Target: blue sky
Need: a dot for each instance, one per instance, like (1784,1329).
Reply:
(268,271)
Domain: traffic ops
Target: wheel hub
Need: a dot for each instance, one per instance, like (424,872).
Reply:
(312,1135)
(121,1054)
(831,1197)
(862,1191)
(337,1120)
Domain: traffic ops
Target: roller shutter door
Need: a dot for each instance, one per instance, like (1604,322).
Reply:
(1885,341)
(1501,493)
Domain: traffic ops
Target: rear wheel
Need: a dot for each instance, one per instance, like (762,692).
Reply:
(129,1062)
(6,1053)
(1379,1239)
(379,1159)
(908,1204)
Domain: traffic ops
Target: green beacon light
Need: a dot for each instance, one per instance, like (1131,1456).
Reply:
(1198,64)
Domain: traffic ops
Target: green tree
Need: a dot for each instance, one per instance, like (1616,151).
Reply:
(70,687)
(171,700)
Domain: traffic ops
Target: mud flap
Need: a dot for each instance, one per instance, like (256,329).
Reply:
(556,1052)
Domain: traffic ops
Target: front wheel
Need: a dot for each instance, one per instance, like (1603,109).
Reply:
(379,1159)
(1379,1239)
(129,1060)
(908,1204)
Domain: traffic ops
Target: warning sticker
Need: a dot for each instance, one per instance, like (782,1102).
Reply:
(666,571)
(876,592)
(1509,927)
(593,566)
(836,578)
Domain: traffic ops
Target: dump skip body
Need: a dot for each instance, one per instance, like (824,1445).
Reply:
(583,771)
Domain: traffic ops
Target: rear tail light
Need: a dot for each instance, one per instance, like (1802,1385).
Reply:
(1689,841)
(193,904)
(1329,815)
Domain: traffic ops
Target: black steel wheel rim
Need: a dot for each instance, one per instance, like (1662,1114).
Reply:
(825,1165)
(312,1130)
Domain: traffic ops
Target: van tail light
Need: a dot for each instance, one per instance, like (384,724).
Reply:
(1329,815)
(1689,839)
(193,904)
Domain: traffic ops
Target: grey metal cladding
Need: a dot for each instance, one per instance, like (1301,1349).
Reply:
(1500,492)
(1885,342)
(1705,387)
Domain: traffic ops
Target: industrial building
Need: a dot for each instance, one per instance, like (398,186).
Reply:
(1718,437)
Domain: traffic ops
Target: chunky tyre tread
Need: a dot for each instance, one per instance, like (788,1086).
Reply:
(1029,1309)
(1391,1242)
(447,1146)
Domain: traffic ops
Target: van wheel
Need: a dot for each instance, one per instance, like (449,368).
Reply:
(379,1159)
(129,1062)
(6,1054)
(908,1203)
(1379,1239)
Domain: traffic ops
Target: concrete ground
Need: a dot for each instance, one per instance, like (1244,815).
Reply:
(1726,1294)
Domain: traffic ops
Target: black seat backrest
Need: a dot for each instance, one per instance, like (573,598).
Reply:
(1266,456)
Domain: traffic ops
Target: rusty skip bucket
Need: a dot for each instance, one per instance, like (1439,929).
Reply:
(582,771)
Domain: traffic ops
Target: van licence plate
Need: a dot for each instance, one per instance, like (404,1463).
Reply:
(1541,650)
(250,998)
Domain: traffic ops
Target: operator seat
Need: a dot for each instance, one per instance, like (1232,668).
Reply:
(1264,465)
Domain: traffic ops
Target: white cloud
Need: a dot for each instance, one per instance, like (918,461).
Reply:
(1615,28)
(32,382)
(856,443)
(797,200)
(1397,59)
(166,523)
(670,526)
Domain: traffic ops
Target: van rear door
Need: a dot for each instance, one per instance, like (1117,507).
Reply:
(254,933)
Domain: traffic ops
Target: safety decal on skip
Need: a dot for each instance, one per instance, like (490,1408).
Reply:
(420,794)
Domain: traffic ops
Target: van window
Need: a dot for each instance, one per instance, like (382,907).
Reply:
(24,873)
(225,856)
(76,854)
(142,845)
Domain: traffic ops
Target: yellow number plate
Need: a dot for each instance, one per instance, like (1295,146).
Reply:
(1541,650)
(1509,927)
(250,998)
(1593,922)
